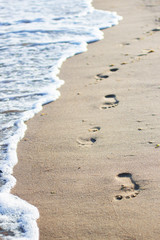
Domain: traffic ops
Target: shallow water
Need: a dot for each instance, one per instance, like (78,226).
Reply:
(35,38)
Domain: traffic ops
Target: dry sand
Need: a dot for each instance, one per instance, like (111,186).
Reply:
(90,161)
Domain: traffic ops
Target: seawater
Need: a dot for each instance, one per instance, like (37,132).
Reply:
(36,37)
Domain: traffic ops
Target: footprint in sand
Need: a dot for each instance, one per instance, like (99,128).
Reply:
(101,76)
(111,101)
(94,129)
(145,52)
(125,44)
(86,142)
(156,29)
(129,188)
(114,69)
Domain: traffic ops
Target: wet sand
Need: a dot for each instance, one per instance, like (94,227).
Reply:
(90,161)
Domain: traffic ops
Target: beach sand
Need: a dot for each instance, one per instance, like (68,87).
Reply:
(90,161)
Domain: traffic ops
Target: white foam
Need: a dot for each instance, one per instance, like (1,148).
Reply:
(18,218)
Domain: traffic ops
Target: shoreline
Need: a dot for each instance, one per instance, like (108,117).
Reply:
(89,160)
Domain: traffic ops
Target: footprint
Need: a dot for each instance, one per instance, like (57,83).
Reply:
(156,29)
(145,52)
(101,76)
(114,69)
(111,101)
(86,141)
(123,63)
(129,188)
(125,44)
(94,129)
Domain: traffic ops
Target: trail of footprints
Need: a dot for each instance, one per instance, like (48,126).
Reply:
(129,189)
(145,52)
(110,101)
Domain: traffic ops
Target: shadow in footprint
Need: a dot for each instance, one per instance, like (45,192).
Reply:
(111,101)
(126,44)
(114,69)
(86,141)
(156,29)
(102,76)
(129,188)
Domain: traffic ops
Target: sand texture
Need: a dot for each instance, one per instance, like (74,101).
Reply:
(90,161)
